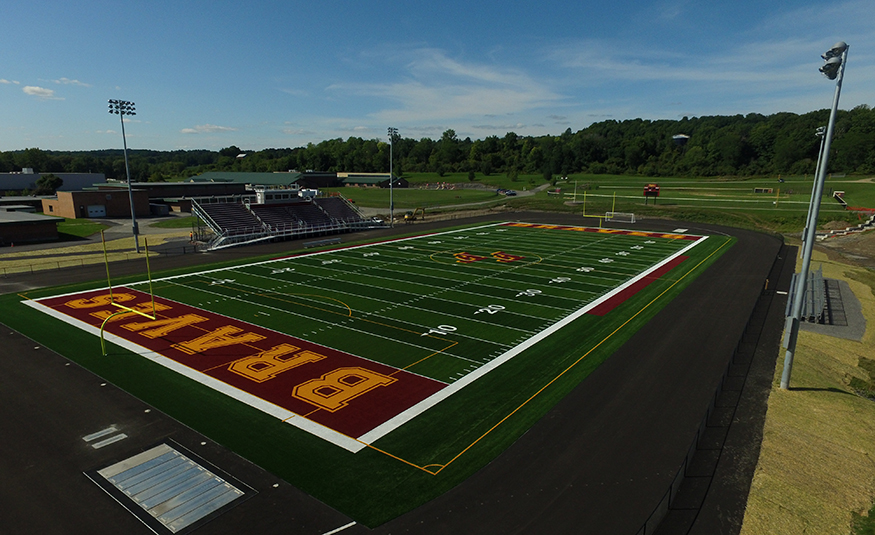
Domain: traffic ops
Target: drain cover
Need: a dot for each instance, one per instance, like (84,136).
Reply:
(165,488)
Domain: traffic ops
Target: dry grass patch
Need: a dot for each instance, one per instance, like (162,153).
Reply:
(817,463)
(82,254)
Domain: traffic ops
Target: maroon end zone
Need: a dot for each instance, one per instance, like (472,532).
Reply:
(346,393)
(670,236)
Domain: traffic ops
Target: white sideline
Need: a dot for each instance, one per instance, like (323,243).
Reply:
(348,443)
(280,413)
(390,425)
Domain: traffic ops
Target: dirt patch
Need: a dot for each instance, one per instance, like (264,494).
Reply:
(855,249)
(835,225)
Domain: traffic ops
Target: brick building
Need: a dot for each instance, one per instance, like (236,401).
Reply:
(82,204)
(22,227)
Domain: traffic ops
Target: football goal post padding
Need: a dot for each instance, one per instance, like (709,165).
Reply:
(620,217)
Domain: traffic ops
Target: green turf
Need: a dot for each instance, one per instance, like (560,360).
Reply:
(863,525)
(412,198)
(177,222)
(729,200)
(79,228)
(386,486)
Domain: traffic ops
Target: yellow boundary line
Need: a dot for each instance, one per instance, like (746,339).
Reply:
(566,370)
(505,418)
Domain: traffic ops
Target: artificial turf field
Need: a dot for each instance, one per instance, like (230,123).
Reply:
(490,325)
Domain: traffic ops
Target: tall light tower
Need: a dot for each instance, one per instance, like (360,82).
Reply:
(122,108)
(834,69)
(821,133)
(393,133)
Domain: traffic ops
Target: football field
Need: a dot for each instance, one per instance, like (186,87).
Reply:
(419,350)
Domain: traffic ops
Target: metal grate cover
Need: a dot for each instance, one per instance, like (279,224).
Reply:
(163,487)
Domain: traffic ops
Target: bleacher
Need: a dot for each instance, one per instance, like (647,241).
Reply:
(231,217)
(310,214)
(236,223)
(273,216)
(337,208)
(280,216)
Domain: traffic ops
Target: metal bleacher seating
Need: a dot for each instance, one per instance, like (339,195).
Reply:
(232,217)
(337,208)
(235,223)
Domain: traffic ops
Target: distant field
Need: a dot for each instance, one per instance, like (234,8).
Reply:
(412,198)
(413,361)
(732,201)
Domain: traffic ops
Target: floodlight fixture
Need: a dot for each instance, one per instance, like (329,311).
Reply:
(837,50)
(830,69)
(122,108)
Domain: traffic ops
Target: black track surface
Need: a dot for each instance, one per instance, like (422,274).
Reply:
(599,462)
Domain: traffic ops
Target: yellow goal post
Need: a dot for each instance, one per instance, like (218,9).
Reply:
(124,309)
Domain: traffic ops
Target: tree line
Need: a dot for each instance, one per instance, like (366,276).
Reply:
(739,145)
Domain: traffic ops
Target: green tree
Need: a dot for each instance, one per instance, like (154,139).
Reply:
(48,184)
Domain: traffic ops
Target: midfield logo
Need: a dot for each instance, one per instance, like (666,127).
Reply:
(498,256)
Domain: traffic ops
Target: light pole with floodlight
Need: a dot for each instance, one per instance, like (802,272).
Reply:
(834,69)
(819,132)
(393,133)
(122,108)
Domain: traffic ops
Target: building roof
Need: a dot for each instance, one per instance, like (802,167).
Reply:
(24,217)
(256,179)
(358,179)
(19,199)
(72,181)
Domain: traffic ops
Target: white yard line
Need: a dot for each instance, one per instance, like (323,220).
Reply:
(276,411)
(394,423)
(349,443)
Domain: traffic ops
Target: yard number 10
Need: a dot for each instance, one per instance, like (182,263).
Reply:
(441,330)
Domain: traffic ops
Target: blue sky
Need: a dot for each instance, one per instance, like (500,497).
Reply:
(259,73)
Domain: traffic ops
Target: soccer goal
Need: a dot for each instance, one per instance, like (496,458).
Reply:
(620,217)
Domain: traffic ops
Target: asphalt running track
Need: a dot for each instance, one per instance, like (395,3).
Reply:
(599,462)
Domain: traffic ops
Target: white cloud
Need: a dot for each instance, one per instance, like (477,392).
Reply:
(67,81)
(5,81)
(440,88)
(299,132)
(294,92)
(207,129)
(775,59)
(40,92)
(499,127)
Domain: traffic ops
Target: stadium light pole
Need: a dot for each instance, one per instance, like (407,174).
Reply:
(122,108)
(834,69)
(821,133)
(393,133)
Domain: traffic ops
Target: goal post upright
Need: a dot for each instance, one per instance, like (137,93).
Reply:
(124,309)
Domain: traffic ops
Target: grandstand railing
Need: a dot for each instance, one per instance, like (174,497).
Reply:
(232,236)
